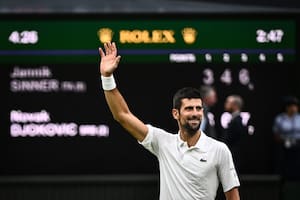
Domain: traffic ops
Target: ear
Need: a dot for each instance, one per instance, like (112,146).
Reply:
(175,113)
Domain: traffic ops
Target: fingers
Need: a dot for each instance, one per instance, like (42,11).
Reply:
(101,52)
(110,48)
(107,48)
(118,59)
(114,48)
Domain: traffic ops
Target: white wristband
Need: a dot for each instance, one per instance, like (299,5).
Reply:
(108,82)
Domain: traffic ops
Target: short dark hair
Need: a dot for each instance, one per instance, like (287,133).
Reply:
(205,90)
(238,101)
(186,92)
(290,100)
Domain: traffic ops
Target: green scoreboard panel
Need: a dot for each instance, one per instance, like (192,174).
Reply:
(159,39)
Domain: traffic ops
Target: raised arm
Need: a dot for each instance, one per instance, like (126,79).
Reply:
(116,102)
(232,194)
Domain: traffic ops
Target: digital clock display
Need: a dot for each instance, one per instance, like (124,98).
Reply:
(56,120)
(24,37)
(274,36)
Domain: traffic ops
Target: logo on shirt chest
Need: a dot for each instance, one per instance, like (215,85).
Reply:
(198,166)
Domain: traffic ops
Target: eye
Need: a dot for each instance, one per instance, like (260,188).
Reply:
(199,108)
(189,108)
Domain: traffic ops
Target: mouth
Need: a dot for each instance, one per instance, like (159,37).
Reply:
(194,121)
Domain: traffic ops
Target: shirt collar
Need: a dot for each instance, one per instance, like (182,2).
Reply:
(235,114)
(201,144)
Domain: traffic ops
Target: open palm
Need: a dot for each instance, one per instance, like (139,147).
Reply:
(109,59)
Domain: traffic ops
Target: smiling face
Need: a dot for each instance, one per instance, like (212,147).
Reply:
(189,115)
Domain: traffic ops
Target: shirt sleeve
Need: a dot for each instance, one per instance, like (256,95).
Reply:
(150,142)
(226,170)
(276,125)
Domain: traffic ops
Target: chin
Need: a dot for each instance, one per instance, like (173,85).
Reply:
(192,130)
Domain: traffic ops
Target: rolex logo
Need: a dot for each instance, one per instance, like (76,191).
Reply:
(189,35)
(105,35)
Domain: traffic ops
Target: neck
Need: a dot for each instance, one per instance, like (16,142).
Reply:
(290,114)
(189,138)
(235,113)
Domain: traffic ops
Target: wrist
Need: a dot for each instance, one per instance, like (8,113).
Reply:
(108,82)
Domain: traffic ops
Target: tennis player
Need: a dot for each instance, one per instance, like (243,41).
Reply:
(191,163)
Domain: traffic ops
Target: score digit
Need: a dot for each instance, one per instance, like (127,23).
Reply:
(208,77)
(226,77)
(244,77)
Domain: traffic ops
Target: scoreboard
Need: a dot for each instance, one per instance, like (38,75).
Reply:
(54,118)
(188,39)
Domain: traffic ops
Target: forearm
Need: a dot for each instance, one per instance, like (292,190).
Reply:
(116,104)
(122,114)
(232,194)
(114,99)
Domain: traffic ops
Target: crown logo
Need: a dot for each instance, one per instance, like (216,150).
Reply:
(105,35)
(189,35)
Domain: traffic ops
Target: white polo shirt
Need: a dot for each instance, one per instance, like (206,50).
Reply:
(188,173)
